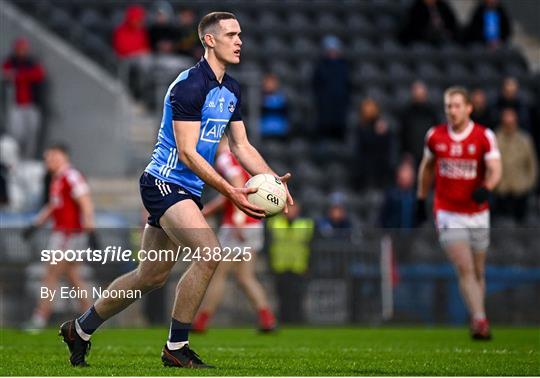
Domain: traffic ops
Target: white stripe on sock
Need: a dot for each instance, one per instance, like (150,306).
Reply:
(80,332)
(176,346)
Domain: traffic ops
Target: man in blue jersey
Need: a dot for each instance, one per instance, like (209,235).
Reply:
(200,106)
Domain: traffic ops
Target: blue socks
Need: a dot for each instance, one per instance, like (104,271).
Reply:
(88,323)
(178,334)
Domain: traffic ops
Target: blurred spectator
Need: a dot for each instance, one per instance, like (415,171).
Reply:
(189,38)
(510,97)
(26,74)
(162,32)
(332,89)
(289,247)
(336,223)
(536,132)
(489,24)
(131,38)
(431,21)
(274,109)
(520,167)
(374,147)
(416,119)
(481,112)
(399,206)
(4,199)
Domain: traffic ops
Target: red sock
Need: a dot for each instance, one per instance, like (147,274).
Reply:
(267,319)
(201,321)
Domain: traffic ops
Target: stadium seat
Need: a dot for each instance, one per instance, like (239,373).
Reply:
(59,21)
(399,72)
(367,73)
(297,21)
(428,72)
(304,47)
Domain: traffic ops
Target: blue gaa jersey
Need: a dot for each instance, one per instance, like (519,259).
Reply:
(195,95)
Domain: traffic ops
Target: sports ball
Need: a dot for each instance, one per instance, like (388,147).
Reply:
(271,194)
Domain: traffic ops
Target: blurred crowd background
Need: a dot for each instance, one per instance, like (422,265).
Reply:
(339,93)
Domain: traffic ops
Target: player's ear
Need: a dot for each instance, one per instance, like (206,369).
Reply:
(209,40)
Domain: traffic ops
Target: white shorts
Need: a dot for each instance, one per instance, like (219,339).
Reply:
(253,237)
(458,227)
(61,241)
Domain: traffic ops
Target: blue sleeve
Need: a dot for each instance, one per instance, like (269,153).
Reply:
(237,115)
(187,100)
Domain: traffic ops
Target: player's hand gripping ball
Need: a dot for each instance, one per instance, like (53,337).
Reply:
(271,194)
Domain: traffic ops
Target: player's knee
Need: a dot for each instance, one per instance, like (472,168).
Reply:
(480,273)
(464,270)
(244,280)
(151,282)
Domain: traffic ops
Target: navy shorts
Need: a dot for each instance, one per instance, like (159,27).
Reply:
(158,195)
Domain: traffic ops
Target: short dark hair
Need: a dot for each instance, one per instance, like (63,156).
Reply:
(59,146)
(211,20)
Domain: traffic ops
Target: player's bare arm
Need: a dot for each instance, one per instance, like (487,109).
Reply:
(493,173)
(426,174)
(43,215)
(87,211)
(250,158)
(186,134)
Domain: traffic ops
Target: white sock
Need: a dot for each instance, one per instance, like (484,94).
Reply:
(176,346)
(80,332)
(479,316)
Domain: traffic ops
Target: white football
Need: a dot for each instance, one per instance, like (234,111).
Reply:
(271,194)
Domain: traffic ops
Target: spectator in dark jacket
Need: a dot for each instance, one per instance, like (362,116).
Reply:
(416,119)
(336,223)
(274,111)
(482,113)
(332,90)
(431,21)
(26,75)
(510,97)
(489,24)
(374,147)
(399,206)
(189,43)
(164,35)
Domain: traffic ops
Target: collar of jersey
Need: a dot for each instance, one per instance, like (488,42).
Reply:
(208,70)
(459,137)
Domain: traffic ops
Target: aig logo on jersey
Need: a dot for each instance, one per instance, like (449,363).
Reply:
(213,130)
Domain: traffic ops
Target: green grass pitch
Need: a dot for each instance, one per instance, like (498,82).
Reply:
(291,351)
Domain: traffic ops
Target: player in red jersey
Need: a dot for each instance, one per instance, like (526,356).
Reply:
(71,209)
(463,159)
(238,231)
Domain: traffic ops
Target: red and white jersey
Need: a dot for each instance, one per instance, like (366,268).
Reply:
(229,167)
(65,187)
(460,165)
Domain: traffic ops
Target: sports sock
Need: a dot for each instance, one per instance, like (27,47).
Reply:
(178,334)
(266,318)
(201,321)
(87,323)
(479,316)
